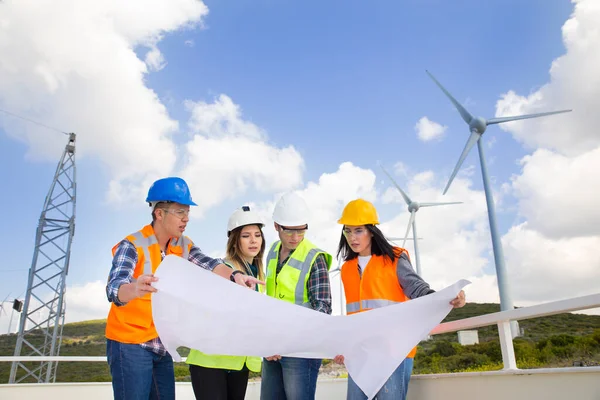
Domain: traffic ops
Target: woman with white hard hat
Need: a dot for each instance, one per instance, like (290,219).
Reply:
(218,377)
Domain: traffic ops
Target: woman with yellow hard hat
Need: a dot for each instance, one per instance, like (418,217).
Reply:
(376,274)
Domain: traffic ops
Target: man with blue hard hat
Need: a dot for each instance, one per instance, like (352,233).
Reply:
(140,366)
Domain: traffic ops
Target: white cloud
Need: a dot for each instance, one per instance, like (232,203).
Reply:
(401,169)
(483,289)
(230,155)
(559,195)
(391,195)
(574,84)
(542,269)
(428,130)
(80,72)
(155,59)
(223,118)
(86,301)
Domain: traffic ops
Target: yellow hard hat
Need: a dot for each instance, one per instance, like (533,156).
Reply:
(359,212)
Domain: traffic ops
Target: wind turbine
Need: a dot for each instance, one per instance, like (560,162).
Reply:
(2,310)
(413,207)
(477,126)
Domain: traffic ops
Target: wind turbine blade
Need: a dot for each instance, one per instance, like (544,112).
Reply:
(470,143)
(466,116)
(410,221)
(493,121)
(439,204)
(404,195)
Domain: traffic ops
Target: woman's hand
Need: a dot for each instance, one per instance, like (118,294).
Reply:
(459,300)
(339,359)
(248,281)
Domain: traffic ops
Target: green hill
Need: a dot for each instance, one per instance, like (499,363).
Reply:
(556,340)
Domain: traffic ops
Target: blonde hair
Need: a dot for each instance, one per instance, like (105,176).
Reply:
(236,258)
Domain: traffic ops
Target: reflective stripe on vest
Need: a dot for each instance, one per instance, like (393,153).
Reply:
(146,242)
(369,304)
(278,285)
(353,307)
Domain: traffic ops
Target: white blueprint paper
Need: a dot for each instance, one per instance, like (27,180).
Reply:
(201,310)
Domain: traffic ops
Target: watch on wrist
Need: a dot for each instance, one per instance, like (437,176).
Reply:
(232,276)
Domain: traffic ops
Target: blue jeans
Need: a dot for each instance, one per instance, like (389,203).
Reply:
(289,379)
(139,374)
(395,388)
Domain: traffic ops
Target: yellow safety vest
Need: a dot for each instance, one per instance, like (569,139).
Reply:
(290,284)
(233,363)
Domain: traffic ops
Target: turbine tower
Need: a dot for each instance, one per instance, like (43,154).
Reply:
(413,207)
(477,126)
(46,286)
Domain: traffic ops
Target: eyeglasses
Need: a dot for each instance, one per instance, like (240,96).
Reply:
(180,213)
(290,231)
(357,232)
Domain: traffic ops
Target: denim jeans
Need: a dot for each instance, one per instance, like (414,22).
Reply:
(289,379)
(395,388)
(139,374)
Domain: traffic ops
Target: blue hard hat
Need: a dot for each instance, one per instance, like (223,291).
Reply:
(170,189)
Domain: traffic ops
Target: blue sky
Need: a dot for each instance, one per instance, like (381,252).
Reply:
(333,82)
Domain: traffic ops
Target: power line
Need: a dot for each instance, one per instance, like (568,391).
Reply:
(34,122)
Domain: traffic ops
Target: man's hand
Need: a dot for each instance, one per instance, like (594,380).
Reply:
(276,357)
(459,300)
(247,281)
(143,285)
(137,288)
(339,359)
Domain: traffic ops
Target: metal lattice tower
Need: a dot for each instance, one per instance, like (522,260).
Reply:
(42,319)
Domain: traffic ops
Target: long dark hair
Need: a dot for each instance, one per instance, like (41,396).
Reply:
(379,246)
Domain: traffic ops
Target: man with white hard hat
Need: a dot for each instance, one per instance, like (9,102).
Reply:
(297,272)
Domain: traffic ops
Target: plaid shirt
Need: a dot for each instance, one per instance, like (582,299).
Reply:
(319,289)
(123,265)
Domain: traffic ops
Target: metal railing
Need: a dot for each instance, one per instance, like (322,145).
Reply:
(501,319)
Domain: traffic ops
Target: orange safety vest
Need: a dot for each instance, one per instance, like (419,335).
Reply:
(133,323)
(379,286)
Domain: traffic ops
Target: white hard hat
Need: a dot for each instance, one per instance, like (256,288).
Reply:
(291,210)
(242,217)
